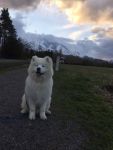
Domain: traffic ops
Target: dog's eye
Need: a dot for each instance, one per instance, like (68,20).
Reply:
(36,65)
(43,66)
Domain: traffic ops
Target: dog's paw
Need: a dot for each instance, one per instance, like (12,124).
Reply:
(43,117)
(48,112)
(32,116)
(23,111)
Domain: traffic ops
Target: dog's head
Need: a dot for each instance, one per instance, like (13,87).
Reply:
(41,67)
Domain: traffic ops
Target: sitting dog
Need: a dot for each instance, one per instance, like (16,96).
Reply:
(38,88)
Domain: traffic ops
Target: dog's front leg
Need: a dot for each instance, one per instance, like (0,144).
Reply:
(48,106)
(32,112)
(42,112)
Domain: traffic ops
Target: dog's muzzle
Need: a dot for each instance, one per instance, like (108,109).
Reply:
(38,71)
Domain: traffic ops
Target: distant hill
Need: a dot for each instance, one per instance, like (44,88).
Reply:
(45,42)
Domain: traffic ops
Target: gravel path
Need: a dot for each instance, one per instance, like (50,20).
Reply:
(19,133)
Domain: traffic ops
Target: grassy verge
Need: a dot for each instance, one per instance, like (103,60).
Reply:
(10,64)
(78,95)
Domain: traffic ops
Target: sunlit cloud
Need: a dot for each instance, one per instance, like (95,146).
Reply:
(93,37)
(103,32)
(87,11)
(68,26)
(75,35)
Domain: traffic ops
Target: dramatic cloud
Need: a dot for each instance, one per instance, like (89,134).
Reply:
(87,11)
(103,32)
(106,50)
(18,23)
(75,35)
(19,4)
(102,48)
(89,22)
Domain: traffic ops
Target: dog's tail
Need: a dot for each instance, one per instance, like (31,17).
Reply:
(24,107)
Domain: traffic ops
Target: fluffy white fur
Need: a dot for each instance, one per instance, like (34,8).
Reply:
(38,88)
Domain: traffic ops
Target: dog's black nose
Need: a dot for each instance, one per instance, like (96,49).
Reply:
(38,70)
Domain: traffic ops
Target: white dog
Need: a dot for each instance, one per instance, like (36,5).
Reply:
(38,88)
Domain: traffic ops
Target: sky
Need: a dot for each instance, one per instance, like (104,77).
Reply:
(89,23)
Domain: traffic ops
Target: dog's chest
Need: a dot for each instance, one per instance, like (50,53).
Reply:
(39,90)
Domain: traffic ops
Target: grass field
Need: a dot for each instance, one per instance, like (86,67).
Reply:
(79,95)
(11,64)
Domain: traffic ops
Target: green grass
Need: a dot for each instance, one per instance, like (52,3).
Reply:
(78,95)
(10,64)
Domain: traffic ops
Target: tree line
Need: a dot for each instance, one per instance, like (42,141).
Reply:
(87,61)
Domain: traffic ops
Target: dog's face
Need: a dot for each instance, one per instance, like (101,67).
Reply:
(41,66)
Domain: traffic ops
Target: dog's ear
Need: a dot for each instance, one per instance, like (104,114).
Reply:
(48,59)
(34,58)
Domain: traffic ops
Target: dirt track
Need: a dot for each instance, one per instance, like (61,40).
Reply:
(18,133)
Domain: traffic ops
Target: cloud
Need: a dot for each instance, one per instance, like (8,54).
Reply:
(99,44)
(19,4)
(100,47)
(106,50)
(68,26)
(19,25)
(103,32)
(87,11)
(93,37)
(75,35)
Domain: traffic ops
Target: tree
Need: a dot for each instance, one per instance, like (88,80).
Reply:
(11,45)
(0,30)
(12,49)
(7,26)
(0,37)
(39,47)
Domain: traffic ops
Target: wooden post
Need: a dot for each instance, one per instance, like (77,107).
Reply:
(57,63)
